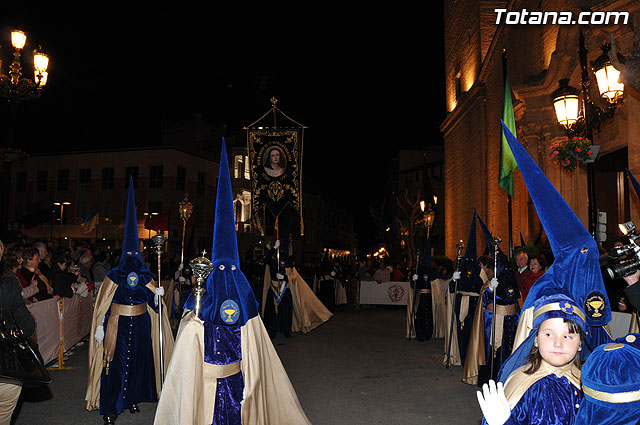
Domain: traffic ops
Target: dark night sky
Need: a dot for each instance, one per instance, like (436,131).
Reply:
(365,82)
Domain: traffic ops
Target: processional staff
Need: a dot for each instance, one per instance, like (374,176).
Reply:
(159,240)
(459,248)
(201,267)
(185,208)
(495,242)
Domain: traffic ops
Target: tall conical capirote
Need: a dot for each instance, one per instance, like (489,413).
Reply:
(469,267)
(225,240)
(229,299)
(130,259)
(575,271)
(503,262)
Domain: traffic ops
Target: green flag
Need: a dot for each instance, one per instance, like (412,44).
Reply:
(508,163)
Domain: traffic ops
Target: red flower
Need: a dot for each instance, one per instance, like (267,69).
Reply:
(589,153)
(578,149)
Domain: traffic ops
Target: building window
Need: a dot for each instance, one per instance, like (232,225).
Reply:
(155,176)
(202,183)
(21,181)
(131,172)
(107,178)
(84,179)
(41,181)
(63,180)
(181,179)
(247,175)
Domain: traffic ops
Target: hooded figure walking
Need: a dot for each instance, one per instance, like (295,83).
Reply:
(124,353)
(224,369)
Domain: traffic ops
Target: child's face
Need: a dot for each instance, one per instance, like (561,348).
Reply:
(557,345)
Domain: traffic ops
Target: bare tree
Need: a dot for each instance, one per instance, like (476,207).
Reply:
(408,218)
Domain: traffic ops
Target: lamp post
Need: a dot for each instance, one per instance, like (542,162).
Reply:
(184,209)
(16,88)
(61,204)
(579,115)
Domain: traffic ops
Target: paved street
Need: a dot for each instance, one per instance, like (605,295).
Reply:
(358,369)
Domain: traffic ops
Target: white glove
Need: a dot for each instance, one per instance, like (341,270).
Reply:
(159,292)
(279,276)
(415,277)
(333,274)
(457,275)
(277,244)
(493,284)
(99,336)
(494,404)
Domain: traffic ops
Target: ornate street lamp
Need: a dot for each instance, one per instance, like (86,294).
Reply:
(428,216)
(16,88)
(579,115)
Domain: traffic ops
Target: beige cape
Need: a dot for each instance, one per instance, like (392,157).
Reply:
(476,348)
(308,310)
(96,351)
(519,382)
(269,397)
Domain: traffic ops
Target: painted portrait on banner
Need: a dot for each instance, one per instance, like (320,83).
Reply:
(274,158)
(274,161)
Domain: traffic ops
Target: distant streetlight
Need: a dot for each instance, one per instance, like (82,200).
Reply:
(61,204)
(16,88)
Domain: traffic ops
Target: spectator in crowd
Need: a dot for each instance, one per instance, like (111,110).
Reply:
(13,309)
(43,265)
(85,262)
(537,267)
(100,268)
(486,265)
(29,270)
(12,262)
(522,274)
(64,279)
(382,274)
(396,274)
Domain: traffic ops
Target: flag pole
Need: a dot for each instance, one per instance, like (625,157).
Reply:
(509,206)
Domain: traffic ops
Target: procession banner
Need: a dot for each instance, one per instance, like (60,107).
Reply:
(275,165)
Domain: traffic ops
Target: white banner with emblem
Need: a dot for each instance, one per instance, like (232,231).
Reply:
(394,293)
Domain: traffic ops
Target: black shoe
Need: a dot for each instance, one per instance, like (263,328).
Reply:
(109,419)
(134,408)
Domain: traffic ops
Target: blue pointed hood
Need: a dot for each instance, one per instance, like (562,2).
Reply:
(504,273)
(470,279)
(130,259)
(575,271)
(229,299)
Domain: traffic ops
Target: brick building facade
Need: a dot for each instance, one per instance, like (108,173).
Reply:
(538,56)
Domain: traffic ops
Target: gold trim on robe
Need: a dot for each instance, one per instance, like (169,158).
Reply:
(519,382)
